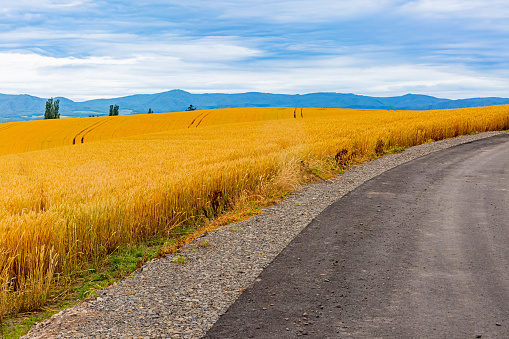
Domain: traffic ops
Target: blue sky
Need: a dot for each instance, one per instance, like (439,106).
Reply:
(86,49)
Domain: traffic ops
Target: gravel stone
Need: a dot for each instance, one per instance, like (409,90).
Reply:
(167,300)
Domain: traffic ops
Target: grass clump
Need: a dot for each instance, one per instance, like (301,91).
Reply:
(180,260)
(14,328)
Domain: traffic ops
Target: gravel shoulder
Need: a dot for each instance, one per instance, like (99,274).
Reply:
(419,251)
(168,300)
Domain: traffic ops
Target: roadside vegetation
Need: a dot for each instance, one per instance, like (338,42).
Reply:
(85,201)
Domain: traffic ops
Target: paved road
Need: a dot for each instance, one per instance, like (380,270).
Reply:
(421,251)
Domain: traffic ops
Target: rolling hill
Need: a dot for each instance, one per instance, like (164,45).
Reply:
(26,107)
(77,192)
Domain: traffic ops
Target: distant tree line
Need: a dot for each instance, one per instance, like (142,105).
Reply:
(52,108)
(113,110)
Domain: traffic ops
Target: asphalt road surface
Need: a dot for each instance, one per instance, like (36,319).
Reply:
(421,251)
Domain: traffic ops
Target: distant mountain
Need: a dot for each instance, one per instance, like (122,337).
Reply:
(26,107)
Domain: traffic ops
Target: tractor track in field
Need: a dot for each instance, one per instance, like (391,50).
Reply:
(166,300)
(199,122)
(192,122)
(3,128)
(85,131)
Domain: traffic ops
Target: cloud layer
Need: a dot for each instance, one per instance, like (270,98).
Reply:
(91,49)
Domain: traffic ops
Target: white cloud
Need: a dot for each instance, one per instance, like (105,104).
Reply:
(95,77)
(368,77)
(304,11)
(122,45)
(49,76)
(26,12)
(36,5)
(486,9)
(291,11)
(372,47)
(207,49)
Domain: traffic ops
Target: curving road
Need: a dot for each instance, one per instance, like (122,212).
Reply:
(421,251)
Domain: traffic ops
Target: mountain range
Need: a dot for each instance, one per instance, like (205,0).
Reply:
(27,107)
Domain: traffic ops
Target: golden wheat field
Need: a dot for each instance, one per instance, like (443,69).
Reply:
(73,190)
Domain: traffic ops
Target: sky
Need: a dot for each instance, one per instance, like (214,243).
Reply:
(88,49)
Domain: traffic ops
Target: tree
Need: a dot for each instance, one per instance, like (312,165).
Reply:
(52,108)
(150,111)
(191,108)
(113,110)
